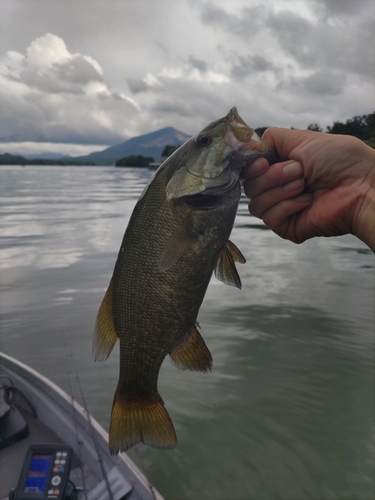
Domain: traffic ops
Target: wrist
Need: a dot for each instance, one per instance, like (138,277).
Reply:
(364,224)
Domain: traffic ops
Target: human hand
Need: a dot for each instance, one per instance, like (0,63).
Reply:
(325,186)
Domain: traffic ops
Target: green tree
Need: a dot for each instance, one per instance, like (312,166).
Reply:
(362,126)
(8,159)
(315,127)
(134,161)
(260,130)
(169,149)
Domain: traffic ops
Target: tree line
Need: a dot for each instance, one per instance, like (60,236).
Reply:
(144,161)
(8,159)
(361,126)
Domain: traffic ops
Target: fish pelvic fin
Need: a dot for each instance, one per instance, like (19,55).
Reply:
(105,335)
(192,354)
(140,421)
(225,269)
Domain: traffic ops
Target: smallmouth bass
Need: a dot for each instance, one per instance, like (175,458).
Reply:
(177,236)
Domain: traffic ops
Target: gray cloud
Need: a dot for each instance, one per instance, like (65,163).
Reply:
(295,35)
(198,64)
(39,119)
(339,7)
(245,24)
(282,63)
(53,95)
(328,39)
(252,64)
(324,44)
(137,85)
(320,83)
(78,70)
(325,83)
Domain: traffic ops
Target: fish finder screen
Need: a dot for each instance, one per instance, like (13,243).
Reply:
(37,476)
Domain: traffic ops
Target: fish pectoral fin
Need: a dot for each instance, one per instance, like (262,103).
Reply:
(235,252)
(135,421)
(105,335)
(192,354)
(225,269)
(176,246)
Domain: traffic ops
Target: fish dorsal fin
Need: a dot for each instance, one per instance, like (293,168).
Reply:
(192,354)
(176,246)
(225,269)
(105,335)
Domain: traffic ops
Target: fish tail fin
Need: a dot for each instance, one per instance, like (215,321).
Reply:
(135,421)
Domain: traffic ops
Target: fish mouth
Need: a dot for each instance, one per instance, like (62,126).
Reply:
(238,126)
(242,138)
(200,201)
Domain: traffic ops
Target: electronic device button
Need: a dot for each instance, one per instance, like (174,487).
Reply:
(50,492)
(56,480)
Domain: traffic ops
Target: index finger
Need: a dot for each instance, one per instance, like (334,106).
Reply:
(285,141)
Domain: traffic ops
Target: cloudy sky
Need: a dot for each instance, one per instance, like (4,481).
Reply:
(79,75)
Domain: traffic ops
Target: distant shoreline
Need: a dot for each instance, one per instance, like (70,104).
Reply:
(8,159)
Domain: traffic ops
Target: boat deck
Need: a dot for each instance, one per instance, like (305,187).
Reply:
(96,474)
(12,457)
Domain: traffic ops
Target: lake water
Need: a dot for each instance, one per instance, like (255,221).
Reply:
(288,410)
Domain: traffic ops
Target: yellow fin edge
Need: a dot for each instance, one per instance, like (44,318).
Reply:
(105,335)
(192,354)
(140,421)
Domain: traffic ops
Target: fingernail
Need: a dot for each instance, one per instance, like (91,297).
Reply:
(293,169)
(294,185)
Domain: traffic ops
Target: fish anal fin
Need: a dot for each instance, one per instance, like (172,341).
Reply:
(225,269)
(176,246)
(192,354)
(105,335)
(133,422)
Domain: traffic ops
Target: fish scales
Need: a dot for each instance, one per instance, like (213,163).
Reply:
(171,298)
(177,235)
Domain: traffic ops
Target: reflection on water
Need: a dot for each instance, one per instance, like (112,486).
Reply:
(288,410)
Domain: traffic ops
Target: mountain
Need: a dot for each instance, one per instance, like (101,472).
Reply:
(151,144)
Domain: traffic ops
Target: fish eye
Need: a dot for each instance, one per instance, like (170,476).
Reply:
(203,140)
